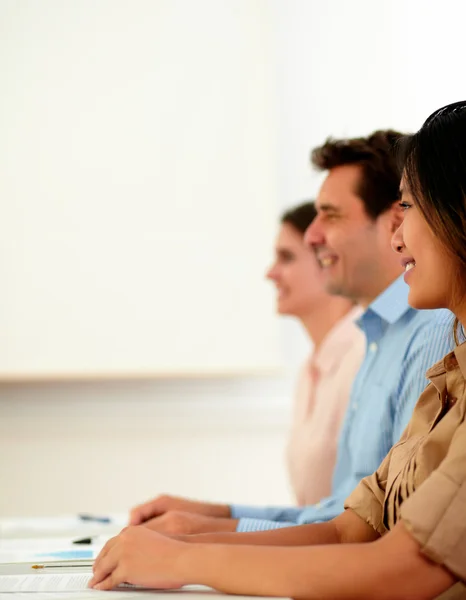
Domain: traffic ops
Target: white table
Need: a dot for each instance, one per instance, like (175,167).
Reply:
(188,593)
(29,540)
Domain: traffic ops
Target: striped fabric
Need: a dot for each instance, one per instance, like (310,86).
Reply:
(402,344)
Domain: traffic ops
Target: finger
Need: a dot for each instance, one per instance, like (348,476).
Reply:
(143,512)
(106,565)
(105,550)
(111,581)
(154,524)
(135,516)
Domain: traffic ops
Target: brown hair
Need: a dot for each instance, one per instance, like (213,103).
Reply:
(375,154)
(300,217)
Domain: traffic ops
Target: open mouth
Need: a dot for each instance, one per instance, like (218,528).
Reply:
(326,261)
(410,265)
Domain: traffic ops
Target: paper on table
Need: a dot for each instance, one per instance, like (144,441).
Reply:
(87,595)
(84,595)
(50,582)
(53,582)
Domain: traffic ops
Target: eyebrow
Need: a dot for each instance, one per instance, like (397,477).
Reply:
(326,207)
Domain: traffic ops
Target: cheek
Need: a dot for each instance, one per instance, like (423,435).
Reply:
(408,238)
(432,283)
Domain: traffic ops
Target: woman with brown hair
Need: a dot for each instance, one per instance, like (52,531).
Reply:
(403,533)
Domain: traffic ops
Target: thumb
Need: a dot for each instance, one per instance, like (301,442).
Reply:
(146,511)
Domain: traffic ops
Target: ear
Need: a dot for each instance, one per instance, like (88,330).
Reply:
(395,215)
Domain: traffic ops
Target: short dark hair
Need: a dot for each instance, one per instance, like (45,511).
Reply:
(375,154)
(433,162)
(301,216)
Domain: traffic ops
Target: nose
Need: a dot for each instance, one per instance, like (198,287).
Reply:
(272,273)
(398,244)
(314,235)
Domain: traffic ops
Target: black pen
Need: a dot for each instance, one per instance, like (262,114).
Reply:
(87,540)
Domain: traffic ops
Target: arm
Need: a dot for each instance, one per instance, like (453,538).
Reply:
(391,568)
(346,528)
(342,571)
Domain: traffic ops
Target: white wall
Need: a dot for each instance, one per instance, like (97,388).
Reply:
(344,68)
(104,446)
(138,142)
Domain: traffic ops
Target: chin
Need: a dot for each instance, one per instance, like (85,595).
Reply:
(284,310)
(281,310)
(421,301)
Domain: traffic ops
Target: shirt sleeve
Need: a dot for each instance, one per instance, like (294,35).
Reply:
(433,341)
(288,514)
(367,499)
(435,513)
(247,524)
(256,518)
(325,510)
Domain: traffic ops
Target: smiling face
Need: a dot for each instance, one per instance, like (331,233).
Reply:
(429,268)
(296,274)
(353,249)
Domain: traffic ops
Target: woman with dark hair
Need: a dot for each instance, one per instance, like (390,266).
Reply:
(403,533)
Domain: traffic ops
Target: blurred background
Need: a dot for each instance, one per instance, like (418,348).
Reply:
(148,148)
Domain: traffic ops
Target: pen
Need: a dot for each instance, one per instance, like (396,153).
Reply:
(87,540)
(86,517)
(85,565)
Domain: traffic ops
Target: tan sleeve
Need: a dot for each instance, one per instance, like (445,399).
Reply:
(435,514)
(368,498)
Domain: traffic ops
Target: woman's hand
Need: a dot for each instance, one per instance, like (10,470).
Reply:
(140,557)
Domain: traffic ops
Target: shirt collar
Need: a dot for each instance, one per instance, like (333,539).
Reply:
(337,341)
(392,303)
(449,362)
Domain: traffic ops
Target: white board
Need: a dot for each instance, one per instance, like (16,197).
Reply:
(138,188)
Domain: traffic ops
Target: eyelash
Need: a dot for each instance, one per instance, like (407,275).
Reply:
(405,205)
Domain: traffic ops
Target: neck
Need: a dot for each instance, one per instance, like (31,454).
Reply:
(380,286)
(322,318)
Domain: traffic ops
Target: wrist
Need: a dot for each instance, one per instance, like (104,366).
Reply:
(189,564)
(221,511)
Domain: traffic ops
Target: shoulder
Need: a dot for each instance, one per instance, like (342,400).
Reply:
(439,317)
(433,328)
(431,338)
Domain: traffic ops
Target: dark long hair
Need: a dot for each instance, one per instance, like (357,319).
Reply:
(433,162)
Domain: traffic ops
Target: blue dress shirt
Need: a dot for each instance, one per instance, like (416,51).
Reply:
(402,343)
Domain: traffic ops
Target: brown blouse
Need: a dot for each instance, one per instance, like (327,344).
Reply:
(422,481)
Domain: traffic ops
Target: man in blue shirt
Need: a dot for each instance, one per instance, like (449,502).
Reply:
(358,213)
